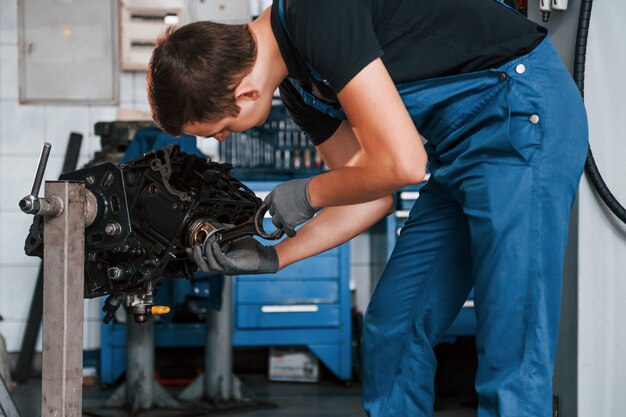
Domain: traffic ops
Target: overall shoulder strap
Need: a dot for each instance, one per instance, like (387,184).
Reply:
(307,97)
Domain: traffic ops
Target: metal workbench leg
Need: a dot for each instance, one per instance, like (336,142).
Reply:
(217,384)
(139,364)
(140,391)
(64,266)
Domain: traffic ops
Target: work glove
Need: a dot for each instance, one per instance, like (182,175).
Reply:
(289,205)
(241,257)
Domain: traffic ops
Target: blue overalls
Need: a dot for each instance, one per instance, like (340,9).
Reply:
(506,149)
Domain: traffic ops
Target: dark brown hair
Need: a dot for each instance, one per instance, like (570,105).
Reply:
(193,73)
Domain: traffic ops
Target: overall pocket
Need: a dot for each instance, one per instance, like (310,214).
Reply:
(527,115)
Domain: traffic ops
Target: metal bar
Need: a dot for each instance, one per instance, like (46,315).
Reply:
(7,406)
(72,152)
(41,169)
(62,353)
(27,351)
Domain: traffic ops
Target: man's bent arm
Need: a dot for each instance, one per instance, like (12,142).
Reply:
(334,225)
(391,153)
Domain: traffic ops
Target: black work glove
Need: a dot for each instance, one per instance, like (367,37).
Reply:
(289,205)
(241,257)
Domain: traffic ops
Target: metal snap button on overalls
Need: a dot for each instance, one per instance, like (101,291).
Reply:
(520,68)
(534,119)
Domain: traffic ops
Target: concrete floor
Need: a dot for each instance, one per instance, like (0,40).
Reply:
(325,399)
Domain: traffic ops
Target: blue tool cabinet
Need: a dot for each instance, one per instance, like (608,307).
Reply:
(465,322)
(307,303)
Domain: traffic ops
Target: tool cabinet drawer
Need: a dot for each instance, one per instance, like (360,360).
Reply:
(280,291)
(287,316)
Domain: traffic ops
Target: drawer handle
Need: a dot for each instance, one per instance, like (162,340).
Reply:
(409,195)
(290,309)
(402,214)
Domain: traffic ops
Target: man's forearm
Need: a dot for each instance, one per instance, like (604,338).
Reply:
(332,227)
(362,181)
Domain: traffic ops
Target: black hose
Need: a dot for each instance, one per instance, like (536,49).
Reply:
(579,77)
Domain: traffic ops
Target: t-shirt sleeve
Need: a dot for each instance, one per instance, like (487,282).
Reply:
(336,37)
(316,125)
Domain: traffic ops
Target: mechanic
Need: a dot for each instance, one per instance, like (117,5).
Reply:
(506,139)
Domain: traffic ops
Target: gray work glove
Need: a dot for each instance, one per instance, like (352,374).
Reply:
(241,257)
(289,205)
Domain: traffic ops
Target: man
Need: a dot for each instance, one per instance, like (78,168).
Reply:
(506,140)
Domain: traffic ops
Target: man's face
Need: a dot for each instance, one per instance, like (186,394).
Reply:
(218,130)
(253,113)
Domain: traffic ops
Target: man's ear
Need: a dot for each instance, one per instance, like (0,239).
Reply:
(246,91)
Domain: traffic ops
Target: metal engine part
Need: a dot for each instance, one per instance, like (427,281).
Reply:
(148,212)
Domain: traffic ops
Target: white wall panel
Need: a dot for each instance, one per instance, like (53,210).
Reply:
(22,128)
(13,332)
(14,230)
(60,121)
(140,94)
(126,88)
(16,290)
(8,21)
(602,241)
(9,82)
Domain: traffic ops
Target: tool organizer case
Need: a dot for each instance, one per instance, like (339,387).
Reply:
(277,150)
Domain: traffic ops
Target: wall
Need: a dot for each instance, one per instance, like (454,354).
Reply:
(590,371)
(562,26)
(23,129)
(602,241)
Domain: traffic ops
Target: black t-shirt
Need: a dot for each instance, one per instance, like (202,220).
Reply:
(416,40)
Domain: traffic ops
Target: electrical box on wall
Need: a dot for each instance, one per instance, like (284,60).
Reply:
(141,23)
(58,60)
(222,11)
